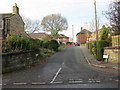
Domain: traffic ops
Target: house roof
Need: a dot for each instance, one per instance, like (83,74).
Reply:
(62,36)
(7,15)
(84,31)
(38,35)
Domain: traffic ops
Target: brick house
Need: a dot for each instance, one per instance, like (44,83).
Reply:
(82,36)
(12,23)
(62,38)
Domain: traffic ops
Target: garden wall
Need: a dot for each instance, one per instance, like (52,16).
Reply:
(17,60)
(113,53)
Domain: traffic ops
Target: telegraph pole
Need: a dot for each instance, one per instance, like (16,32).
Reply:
(95,12)
(72,33)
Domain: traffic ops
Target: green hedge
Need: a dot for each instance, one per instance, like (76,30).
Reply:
(18,43)
(51,44)
(97,48)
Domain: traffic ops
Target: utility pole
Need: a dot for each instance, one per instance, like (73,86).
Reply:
(95,12)
(72,33)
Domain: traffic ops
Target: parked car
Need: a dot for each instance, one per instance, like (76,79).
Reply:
(77,44)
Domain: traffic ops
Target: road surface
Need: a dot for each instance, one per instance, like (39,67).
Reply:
(65,69)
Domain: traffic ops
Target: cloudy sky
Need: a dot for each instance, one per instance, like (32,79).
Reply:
(78,12)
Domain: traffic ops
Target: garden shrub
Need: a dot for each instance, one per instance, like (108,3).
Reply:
(19,43)
(97,48)
(100,44)
(51,44)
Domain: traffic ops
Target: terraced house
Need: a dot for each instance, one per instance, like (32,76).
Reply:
(12,23)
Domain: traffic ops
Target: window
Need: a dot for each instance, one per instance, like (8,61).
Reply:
(64,38)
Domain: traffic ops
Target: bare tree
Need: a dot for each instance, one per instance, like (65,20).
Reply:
(54,23)
(113,14)
(92,24)
(30,25)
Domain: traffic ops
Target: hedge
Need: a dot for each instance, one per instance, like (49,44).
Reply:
(15,43)
(51,44)
(97,48)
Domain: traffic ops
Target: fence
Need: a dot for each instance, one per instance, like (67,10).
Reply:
(116,41)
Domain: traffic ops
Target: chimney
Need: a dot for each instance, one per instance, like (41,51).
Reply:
(15,9)
(81,28)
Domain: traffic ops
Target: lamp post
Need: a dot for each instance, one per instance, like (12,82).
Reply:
(95,12)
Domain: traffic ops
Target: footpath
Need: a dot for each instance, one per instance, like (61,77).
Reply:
(92,61)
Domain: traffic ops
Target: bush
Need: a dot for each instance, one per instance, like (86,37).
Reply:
(51,44)
(19,43)
(97,48)
(100,48)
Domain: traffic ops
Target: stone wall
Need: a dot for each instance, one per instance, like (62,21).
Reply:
(15,61)
(17,25)
(114,54)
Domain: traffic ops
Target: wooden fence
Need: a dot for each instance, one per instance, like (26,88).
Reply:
(116,41)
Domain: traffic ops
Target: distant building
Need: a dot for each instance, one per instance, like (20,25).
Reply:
(93,36)
(83,36)
(12,23)
(39,35)
(63,39)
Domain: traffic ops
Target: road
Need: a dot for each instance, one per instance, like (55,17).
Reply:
(65,69)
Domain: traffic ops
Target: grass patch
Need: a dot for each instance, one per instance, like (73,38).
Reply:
(83,44)
(61,47)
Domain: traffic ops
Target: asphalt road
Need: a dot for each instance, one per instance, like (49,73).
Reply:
(65,69)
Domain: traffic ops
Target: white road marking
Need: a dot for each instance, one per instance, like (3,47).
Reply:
(88,61)
(19,83)
(98,81)
(57,82)
(38,83)
(90,81)
(75,81)
(0,84)
(56,75)
(117,80)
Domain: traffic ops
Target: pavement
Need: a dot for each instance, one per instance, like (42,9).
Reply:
(92,61)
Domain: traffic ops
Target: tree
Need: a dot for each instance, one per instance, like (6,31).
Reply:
(30,25)
(114,16)
(104,33)
(92,24)
(54,23)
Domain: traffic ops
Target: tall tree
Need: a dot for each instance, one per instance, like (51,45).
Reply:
(114,16)
(54,23)
(104,33)
(30,25)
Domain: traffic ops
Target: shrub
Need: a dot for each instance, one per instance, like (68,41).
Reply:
(100,48)
(97,48)
(19,43)
(51,44)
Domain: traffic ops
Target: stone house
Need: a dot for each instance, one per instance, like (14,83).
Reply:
(12,23)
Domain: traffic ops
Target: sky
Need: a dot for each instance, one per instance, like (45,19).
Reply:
(78,13)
